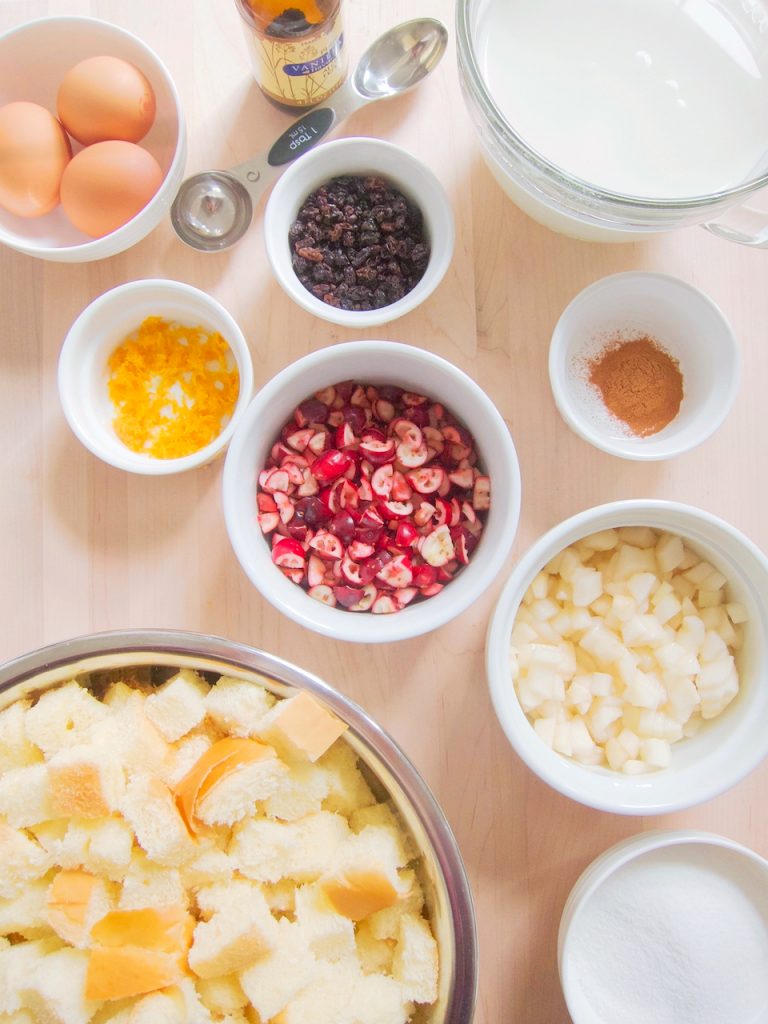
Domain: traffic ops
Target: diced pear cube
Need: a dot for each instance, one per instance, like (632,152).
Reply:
(634,767)
(666,609)
(579,696)
(562,623)
(626,664)
(690,558)
(544,609)
(630,741)
(615,754)
(656,753)
(710,598)
(683,699)
(540,586)
(604,540)
(601,684)
(601,717)
(580,619)
(655,724)
(737,613)
(683,587)
(601,642)
(623,607)
(587,586)
(715,618)
(553,566)
(699,572)
(715,581)
(569,563)
(713,648)
(522,633)
(561,741)
(641,585)
(545,729)
(602,606)
(670,552)
(691,634)
(692,726)
(639,536)
(582,744)
(646,691)
(632,560)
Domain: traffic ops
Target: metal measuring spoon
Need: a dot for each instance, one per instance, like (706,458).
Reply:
(214,209)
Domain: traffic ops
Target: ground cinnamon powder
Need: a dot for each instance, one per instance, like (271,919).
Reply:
(639,383)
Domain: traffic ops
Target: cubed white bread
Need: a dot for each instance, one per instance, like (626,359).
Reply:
(86,781)
(344,995)
(130,733)
(300,728)
(64,717)
(222,995)
(149,808)
(165,1007)
(384,814)
(301,792)
(178,705)
(236,794)
(329,935)
(210,864)
(17,963)
(25,914)
(102,846)
(365,876)
(55,989)
(114,1012)
(22,860)
(280,896)
(238,929)
(236,706)
(277,978)
(375,955)
(16,749)
(25,796)
(385,924)
(186,753)
(196,1010)
(347,789)
(415,964)
(75,901)
(150,885)
(267,851)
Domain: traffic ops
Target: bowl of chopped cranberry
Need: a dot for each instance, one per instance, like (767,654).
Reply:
(372,491)
(359,232)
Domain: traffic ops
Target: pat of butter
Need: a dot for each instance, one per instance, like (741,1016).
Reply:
(300,727)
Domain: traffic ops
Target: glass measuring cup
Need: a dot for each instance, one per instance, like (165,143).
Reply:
(551,187)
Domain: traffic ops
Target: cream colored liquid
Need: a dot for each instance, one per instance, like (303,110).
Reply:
(654,98)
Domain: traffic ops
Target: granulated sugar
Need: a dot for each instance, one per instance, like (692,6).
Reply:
(674,939)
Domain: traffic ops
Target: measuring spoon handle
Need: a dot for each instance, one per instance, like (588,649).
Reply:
(258,173)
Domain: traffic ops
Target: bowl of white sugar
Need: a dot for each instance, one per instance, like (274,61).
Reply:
(669,927)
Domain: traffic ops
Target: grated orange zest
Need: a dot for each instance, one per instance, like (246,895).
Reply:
(173,387)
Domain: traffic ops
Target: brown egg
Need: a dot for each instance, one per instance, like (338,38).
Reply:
(107,184)
(106,98)
(34,150)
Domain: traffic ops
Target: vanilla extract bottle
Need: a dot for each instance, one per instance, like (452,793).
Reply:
(296,47)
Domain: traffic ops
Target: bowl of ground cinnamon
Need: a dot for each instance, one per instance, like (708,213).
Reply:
(643,366)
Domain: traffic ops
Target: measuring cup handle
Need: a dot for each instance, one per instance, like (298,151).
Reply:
(298,138)
(743,224)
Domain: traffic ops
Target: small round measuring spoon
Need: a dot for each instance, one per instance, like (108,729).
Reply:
(213,209)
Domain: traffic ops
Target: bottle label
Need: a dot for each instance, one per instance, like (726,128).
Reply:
(300,72)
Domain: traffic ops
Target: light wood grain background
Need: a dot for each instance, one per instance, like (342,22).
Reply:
(84,547)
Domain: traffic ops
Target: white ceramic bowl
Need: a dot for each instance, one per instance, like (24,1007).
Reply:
(370,362)
(646,866)
(100,328)
(683,321)
(33,60)
(358,156)
(726,748)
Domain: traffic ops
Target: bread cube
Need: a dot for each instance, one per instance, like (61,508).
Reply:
(17,964)
(86,781)
(237,706)
(149,808)
(300,728)
(238,929)
(375,955)
(25,914)
(267,851)
(178,705)
(222,995)
(344,995)
(150,885)
(64,717)
(301,791)
(55,988)
(330,935)
(16,750)
(415,962)
(347,789)
(279,976)
(22,859)
(130,733)
(209,865)
(75,901)
(237,792)
(184,755)
(385,924)
(25,796)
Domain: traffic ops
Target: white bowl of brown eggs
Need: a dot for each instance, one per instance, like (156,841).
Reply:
(626,657)
(92,139)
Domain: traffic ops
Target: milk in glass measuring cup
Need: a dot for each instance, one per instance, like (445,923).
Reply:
(609,119)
